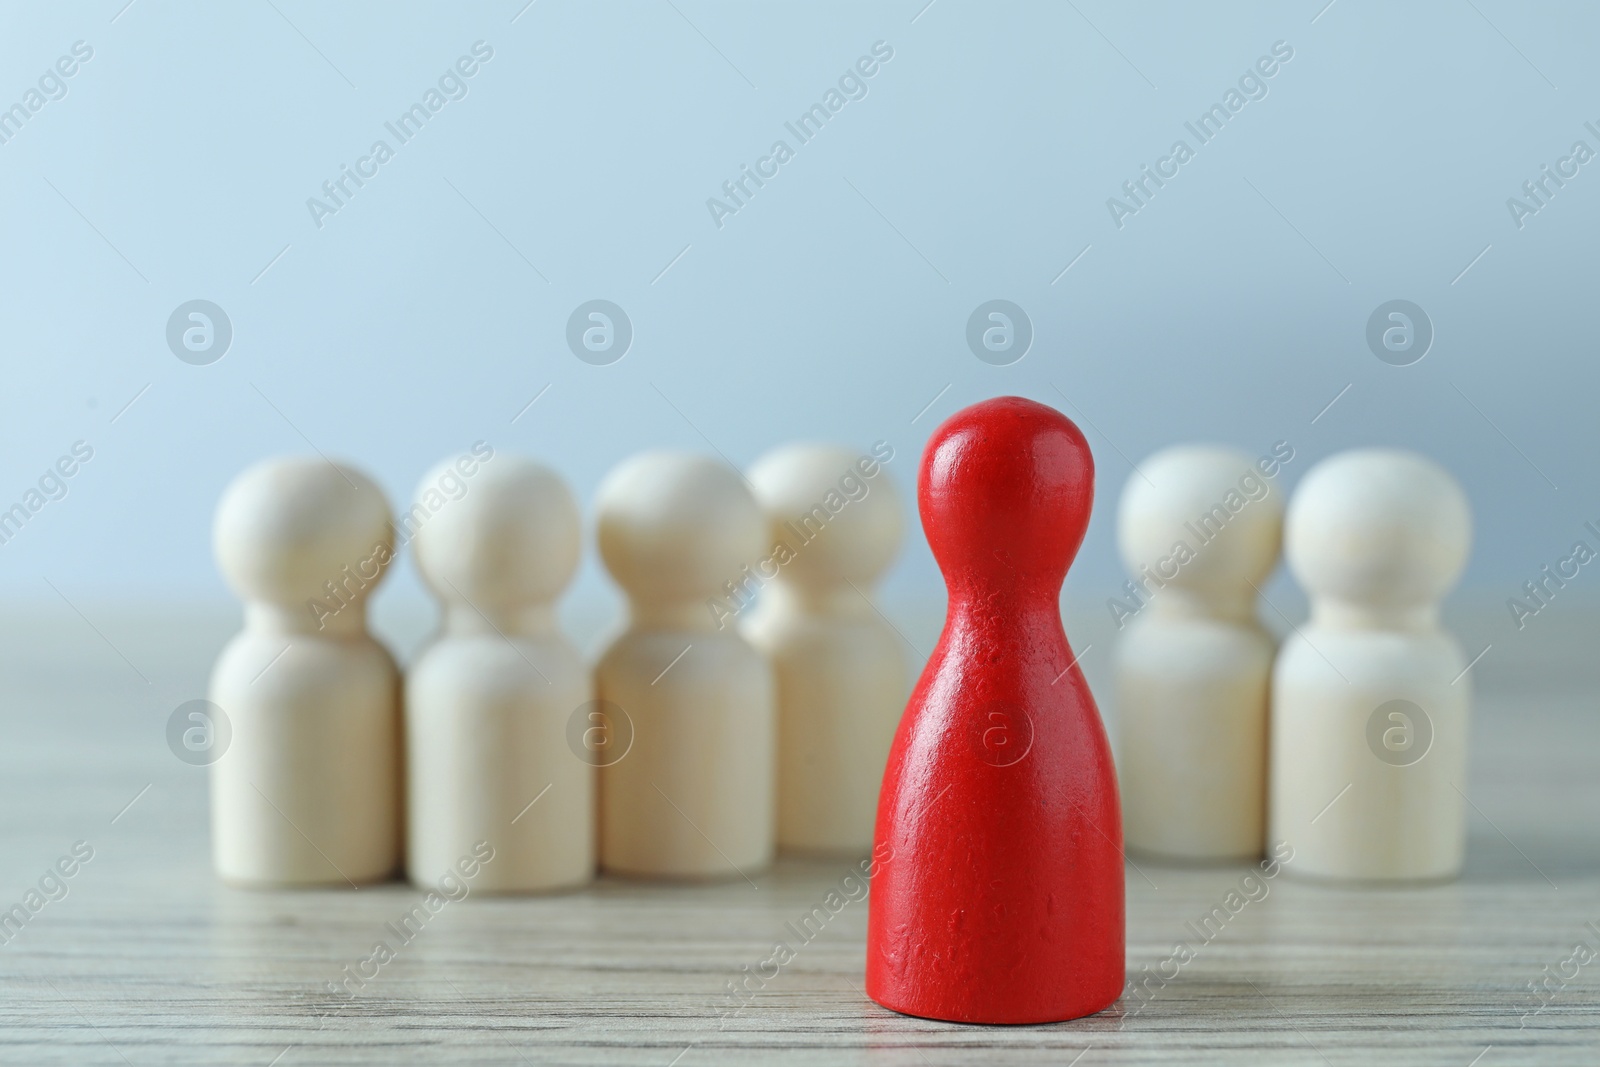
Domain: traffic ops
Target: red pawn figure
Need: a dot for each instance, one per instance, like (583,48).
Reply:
(998,895)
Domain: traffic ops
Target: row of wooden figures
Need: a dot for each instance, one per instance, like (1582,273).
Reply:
(715,732)
(1349,743)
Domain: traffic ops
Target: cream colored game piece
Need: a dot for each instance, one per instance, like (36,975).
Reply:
(1370,701)
(308,791)
(488,702)
(693,795)
(834,525)
(1197,525)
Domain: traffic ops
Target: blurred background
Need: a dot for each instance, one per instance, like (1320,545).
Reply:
(1338,157)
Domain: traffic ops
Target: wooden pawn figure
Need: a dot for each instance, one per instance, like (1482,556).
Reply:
(489,702)
(834,519)
(689,790)
(308,791)
(997,894)
(1370,703)
(1199,526)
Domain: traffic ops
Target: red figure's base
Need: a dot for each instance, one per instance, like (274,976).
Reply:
(998,892)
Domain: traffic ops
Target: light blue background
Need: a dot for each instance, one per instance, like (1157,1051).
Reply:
(980,162)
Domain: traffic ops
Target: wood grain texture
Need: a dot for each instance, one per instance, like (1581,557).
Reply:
(149,960)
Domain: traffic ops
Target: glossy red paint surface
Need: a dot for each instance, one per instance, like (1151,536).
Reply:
(999,897)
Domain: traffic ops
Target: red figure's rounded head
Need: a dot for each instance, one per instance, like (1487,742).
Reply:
(1005,492)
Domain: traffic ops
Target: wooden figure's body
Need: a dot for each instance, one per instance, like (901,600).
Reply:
(489,701)
(998,890)
(841,674)
(692,797)
(1370,700)
(1199,527)
(308,791)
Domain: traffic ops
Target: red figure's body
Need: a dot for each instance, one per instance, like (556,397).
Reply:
(999,894)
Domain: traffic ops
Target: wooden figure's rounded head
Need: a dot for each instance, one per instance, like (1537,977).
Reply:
(286,527)
(1211,499)
(511,538)
(1005,491)
(853,519)
(1379,527)
(676,526)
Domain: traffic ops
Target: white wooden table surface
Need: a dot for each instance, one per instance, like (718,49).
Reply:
(148,960)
